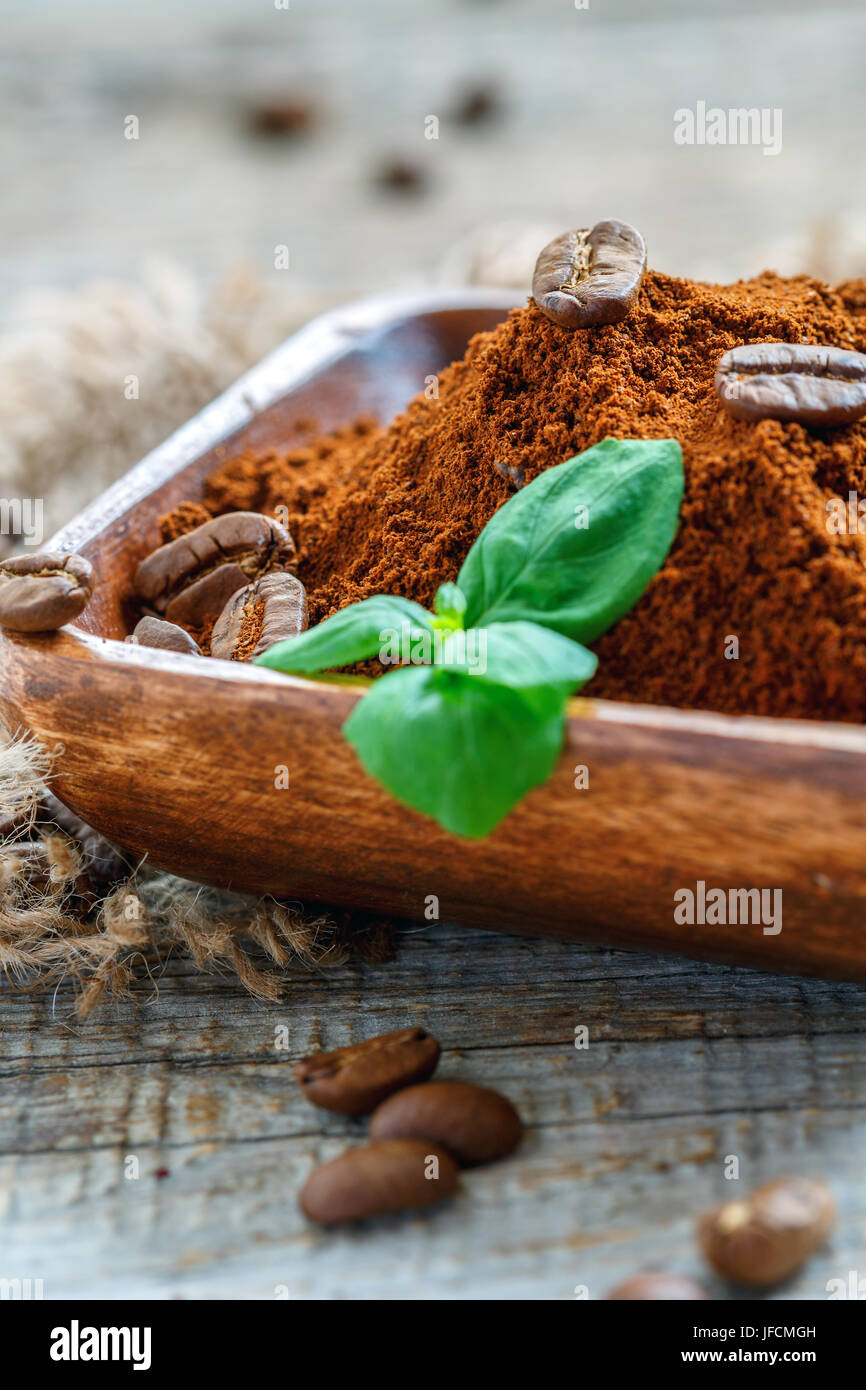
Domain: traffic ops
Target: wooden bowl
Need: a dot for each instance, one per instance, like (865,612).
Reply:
(176,757)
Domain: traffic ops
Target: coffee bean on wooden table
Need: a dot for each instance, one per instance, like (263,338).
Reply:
(192,578)
(354,1080)
(400,175)
(478,104)
(282,118)
(163,636)
(396,1175)
(767,1236)
(39,593)
(271,610)
(817,386)
(589,277)
(473,1123)
(657,1285)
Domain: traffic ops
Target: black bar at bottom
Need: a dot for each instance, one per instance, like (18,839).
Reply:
(63,1339)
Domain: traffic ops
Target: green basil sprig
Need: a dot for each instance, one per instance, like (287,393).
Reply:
(576,548)
(474,718)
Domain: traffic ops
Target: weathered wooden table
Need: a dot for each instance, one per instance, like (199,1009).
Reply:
(156,1150)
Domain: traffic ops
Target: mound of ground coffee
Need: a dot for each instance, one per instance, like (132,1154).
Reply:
(394,510)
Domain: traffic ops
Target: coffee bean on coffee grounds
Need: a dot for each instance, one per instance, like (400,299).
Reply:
(394,510)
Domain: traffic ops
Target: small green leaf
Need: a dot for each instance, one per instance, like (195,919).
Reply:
(575,549)
(459,749)
(519,655)
(449,605)
(353,634)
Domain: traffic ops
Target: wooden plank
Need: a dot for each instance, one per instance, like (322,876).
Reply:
(577,1206)
(625,1140)
(169,1105)
(469,987)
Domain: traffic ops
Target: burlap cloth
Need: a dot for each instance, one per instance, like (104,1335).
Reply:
(73,908)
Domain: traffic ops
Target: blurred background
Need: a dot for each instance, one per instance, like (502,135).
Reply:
(185,181)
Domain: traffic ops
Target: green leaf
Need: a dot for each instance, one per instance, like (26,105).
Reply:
(353,634)
(459,749)
(575,549)
(449,605)
(519,655)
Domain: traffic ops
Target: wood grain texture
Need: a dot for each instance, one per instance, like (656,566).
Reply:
(626,1140)
(178,759)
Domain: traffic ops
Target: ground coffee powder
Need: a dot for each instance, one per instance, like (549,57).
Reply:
(394,510)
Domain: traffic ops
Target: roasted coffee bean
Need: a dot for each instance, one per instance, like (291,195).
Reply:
(282,118)
(397,1175)
(478,104)
(657,1285)
(401,176)
(769,1234)
(191,579)
(473,1123)
(165,637)
(585,278)
(274,608)
(354,1080)
(39,593)
(818,386)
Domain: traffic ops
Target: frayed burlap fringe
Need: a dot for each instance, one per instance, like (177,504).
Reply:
(24,770)
(59,923)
